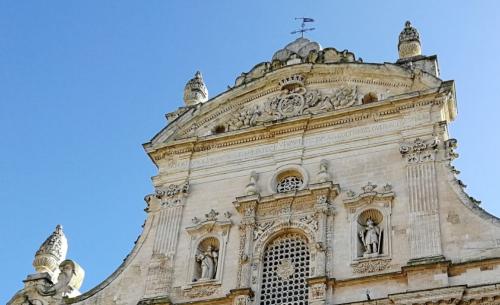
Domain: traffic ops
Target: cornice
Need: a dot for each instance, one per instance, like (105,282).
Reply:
(337,73)
(459,294)
(381,110)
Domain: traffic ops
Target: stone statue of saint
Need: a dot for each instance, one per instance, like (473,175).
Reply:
(208,263)
(370,238)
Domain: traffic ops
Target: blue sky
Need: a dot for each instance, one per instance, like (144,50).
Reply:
(84,83)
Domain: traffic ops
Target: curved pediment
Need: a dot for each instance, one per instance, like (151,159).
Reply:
(294,91)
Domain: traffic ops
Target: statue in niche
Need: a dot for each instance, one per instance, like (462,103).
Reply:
(371,238)
(207,261)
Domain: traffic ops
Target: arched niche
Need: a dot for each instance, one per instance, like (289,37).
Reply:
(207,250)
(206,259)
(369,215)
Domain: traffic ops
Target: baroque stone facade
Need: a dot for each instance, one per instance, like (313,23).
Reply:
(316,179)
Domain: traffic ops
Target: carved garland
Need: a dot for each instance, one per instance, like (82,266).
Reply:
(293,100)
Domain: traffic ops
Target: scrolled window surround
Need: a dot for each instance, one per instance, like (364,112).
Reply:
(308,212)
(288,178)
(285,270)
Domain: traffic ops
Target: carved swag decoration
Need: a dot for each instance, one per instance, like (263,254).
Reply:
(294,100)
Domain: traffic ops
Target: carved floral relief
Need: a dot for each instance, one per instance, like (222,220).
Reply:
(293,100)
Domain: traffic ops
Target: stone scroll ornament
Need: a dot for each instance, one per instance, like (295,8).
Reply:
(70,278)
(293,100)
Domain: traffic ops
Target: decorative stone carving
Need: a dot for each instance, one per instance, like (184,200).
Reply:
(261,228)
(289,183)
(52,252)
(208,240)
(173,195)
(368,188)
(419,150)
(195,91)
(285,269)
(263,218)
(322,200)
(296,100)
(251,188)
(370,220)
(212,215)
(201,291)
(293,100)
(207,260)
(370,266)
(69,280)
(371,238)
(311,221)
(409,42)
(241,300)
(244,118)
(323,175)
(369,193)
(450,145)
(317,292)
(302,50)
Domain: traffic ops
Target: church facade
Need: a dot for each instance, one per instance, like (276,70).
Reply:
(316,179)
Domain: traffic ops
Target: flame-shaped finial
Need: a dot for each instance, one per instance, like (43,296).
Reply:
(52,252)
(195,91)
(409,42)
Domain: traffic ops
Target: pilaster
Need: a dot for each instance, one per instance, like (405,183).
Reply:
(423,201)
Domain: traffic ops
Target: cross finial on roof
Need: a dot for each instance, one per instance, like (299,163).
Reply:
(303,26)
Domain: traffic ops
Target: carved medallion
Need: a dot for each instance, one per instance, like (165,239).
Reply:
(294,100)
(285,269)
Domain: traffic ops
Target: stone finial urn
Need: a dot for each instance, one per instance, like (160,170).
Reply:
(195,91)
(52,252)
(409,42)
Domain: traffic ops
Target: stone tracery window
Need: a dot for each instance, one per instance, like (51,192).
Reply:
(285,269)
(289,183)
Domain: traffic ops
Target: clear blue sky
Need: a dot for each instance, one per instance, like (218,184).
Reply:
(84,83)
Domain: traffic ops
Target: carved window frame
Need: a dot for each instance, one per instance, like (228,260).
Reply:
(276,235)
(293,170)
(370,199)
(199,233)
(308,212)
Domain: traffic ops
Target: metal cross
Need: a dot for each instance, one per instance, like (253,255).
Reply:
(303,26)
